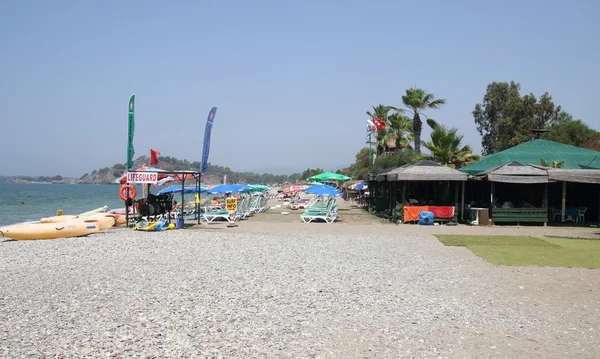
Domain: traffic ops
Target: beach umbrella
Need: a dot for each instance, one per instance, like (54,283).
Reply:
(233,188)
(328,176)
(323,190)
(359,186)
(260,188)
(294,189)
(177,189)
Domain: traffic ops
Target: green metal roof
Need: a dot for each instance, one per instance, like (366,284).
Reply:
(533,151)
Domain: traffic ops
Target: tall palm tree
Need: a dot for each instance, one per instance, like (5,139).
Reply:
(400,130)
(446,148)
(381,112)
(418,100)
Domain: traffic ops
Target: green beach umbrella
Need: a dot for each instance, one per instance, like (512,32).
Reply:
(328,176)
(257,188)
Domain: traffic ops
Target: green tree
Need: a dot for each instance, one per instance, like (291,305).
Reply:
(573,132)
(397,159)
(418,100)
(309,172)
(447,149)
(505,118)
(361,166)
(381,112)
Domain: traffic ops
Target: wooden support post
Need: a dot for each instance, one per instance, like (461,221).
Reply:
(403,193)
(462,202)
(563,205)
(599,206)
(545,203)
(390,195)
(455,196)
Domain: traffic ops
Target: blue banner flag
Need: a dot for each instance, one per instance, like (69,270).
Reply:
(206,146)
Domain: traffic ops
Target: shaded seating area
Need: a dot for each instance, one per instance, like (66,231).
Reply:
(517,187)
(525,193)
(518,193)
(425,186)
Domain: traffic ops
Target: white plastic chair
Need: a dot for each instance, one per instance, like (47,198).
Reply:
(555,213)
(581,214)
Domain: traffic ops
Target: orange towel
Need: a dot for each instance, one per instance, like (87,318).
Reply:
(411,213)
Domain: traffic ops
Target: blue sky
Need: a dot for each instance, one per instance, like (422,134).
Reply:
(292,80)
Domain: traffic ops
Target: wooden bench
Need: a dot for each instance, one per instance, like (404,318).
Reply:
(518,215)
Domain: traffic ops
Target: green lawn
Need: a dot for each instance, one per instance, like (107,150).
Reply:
(523,251)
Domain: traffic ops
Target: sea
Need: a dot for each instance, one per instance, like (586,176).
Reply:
(29,202)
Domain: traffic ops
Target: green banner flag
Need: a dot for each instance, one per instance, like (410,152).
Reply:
(131,128)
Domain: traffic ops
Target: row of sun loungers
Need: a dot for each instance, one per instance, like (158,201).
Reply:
(246,207)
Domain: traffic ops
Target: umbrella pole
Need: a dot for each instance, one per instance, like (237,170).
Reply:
(182,197)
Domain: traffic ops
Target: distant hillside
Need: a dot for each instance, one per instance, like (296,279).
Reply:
(37,179)
(214,174)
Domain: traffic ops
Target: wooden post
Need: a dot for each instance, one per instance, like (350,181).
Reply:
(545,203)
(492,192)
(403,193)
(455,197)
(390,194)
(563,205)
(462,202)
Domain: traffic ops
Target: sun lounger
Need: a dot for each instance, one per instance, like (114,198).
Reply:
(327,213)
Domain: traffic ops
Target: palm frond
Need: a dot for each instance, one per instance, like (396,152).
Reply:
(432,123)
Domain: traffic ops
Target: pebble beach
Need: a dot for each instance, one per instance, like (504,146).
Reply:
(277,288)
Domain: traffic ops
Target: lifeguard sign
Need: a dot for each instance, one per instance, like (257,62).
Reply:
(142,177)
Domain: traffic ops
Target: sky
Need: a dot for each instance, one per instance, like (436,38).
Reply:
(291,80)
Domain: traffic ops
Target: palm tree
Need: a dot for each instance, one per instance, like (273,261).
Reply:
(446,148)
(400,130)
(554,164)
(417,100)
(380,112)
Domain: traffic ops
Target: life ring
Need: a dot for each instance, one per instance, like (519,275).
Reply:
(127,188)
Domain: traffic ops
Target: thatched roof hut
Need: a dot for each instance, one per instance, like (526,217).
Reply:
(571,175)
(515,172)
(425,171)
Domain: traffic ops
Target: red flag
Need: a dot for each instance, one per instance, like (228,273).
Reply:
(154,157)
(379,124)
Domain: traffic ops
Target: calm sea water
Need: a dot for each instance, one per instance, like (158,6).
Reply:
(27,202)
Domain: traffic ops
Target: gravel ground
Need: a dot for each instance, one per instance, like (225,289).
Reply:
(286,290)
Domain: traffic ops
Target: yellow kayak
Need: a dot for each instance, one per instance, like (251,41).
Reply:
(57,219)
(120,219)
(105,221)
(49,230)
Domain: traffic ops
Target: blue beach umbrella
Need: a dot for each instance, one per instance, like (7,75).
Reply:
(323,190)
(233,188)
(177,189)
(360,186)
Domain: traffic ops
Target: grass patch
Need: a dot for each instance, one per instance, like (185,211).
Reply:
(575,238)
(529,251)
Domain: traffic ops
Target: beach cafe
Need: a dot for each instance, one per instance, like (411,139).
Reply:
(510,187)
